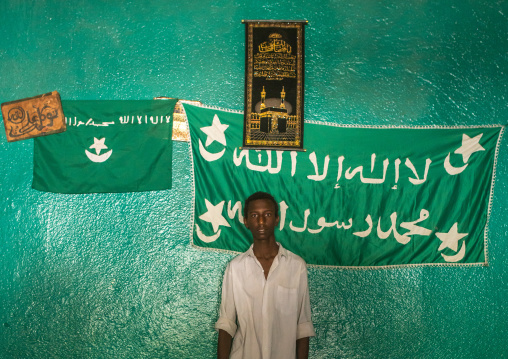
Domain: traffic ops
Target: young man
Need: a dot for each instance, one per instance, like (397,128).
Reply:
(265,309)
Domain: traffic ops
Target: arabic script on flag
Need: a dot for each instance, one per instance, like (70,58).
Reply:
(109,146)
(357,197)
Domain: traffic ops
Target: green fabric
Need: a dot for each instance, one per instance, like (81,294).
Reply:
(357,197)
(109,146)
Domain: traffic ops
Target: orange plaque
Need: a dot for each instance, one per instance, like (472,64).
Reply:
(32,117)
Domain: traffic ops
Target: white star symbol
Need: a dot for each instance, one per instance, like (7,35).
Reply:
(469,146)
(214,215)
(215,132)
(450,239)
(99,145)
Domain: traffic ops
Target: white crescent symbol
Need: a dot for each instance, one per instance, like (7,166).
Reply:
(96,158)
(208,155)
(457,257)
(452,170)
(207,239)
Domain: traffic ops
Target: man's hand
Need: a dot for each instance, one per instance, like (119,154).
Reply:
(224,344)
(302,348)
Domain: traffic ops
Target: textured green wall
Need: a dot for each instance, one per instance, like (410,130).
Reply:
(114,275)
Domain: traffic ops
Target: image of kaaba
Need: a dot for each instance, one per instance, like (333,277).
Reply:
(272,119)
(274,86)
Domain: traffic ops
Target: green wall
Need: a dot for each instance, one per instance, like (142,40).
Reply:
(115,276)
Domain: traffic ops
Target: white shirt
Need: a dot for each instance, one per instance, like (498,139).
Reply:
(271,313)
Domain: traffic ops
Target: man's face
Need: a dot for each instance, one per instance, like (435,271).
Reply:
(261,219)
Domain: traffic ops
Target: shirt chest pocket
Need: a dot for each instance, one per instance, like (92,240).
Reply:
(286,302)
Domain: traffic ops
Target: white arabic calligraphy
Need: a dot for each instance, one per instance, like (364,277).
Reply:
(265,164)
(234,211)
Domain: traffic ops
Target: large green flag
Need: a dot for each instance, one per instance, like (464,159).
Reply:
(359,196)
(109,146)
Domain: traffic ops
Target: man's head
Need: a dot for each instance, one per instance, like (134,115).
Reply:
(260,195)
(261,216)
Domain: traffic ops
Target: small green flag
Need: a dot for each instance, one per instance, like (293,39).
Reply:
(109,146)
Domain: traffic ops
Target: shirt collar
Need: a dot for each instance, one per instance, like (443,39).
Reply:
(283,252)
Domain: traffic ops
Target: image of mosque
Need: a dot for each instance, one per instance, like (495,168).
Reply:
(273,122)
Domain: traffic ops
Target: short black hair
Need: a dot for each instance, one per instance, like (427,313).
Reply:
(260,195)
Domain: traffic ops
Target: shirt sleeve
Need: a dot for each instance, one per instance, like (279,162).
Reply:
(305,328)
(227,313)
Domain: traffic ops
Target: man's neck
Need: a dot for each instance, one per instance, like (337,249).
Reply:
(265,249)
(265,252)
